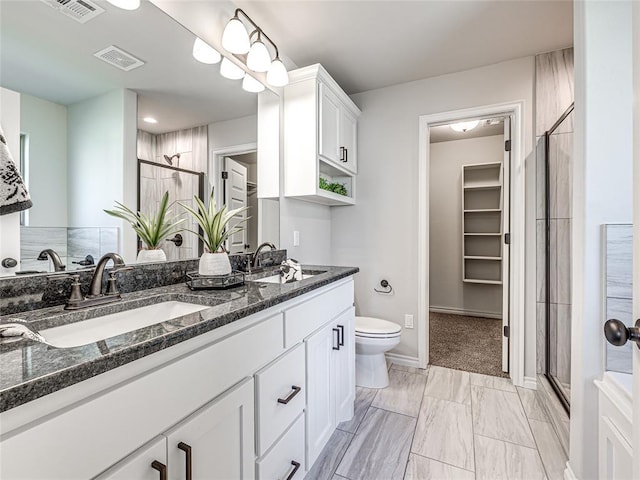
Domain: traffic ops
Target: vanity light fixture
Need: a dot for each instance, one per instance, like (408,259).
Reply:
(230,70)
(250,84)
(236,40)
(149,120)
(125,4)
(205,53)
(464,126)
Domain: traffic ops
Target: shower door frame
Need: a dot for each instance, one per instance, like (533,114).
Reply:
(547,195)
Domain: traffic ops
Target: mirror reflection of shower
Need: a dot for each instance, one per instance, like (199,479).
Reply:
(169,160)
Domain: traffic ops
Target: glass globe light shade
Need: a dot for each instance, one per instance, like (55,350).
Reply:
(230,70)
(235,38)
(125,4)
(205,53)
(258,58)
(277,76)
(250,84)
(464,126)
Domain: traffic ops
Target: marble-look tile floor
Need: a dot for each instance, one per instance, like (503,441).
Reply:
(441,423)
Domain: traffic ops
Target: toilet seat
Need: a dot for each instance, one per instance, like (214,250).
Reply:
(369,327)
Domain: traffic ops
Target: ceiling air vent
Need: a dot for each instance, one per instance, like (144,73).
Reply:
(119,58)
(80,10)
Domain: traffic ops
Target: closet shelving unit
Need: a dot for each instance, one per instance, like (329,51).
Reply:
(482,200)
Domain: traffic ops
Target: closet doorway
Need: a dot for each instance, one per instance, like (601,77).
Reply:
(468,265)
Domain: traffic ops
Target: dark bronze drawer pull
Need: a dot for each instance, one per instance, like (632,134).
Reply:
(161,467)
(295,468)
(296,390)
(341,338)
(187,449)
(338,342)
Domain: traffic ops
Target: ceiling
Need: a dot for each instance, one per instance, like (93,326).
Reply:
(50,56)
(366,45)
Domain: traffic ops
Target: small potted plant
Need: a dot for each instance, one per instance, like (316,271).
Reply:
(215,232)
(152,229)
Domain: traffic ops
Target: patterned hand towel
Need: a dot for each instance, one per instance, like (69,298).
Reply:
(290,271)
(13,193)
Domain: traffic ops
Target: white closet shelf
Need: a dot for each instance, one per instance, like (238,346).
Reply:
(483,210)
(475,257)
(487,186)
(488,282)
(483,234)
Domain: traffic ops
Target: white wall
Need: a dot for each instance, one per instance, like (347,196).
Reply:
(446,288)
(101,161)
(10,224)
(45,124)
(379,233)
(602,193)
(229,133)
(314,224)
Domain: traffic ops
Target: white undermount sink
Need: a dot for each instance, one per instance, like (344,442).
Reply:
(278,279)
(99,328)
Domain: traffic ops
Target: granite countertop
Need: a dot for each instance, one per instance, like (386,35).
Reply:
(30,370)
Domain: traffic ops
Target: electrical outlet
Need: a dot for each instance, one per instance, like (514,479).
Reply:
(296,238)
(408,320)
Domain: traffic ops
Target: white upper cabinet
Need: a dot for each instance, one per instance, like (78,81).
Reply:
(320,139)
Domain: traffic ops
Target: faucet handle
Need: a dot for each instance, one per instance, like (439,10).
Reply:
(75,296)
(112,287)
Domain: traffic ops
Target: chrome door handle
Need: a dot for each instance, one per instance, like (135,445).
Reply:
(617,333)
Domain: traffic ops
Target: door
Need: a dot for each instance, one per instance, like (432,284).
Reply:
(146,463)
(236,197)
(320,389)
(348,141)
(329,122)
(636,235)
(217,441)
(506,229)
(344,361)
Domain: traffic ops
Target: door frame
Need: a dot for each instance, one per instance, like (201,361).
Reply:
(216,160)
(517,218)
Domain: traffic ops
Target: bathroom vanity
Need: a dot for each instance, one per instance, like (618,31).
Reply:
(250,386)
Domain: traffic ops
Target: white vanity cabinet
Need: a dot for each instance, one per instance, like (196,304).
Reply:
(234,402)
(331,385)
(320,137)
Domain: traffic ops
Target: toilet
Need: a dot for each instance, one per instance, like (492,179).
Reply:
(374,337)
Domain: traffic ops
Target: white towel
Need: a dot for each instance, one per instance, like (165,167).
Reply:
(13,193)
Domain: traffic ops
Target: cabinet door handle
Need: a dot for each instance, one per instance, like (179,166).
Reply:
(292,470)
(346,155)
(187,450)
(338,339)
(341,337)
(342,154)
(296,390)
(161,467)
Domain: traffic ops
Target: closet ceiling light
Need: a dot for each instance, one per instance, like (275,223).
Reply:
(464,126)
(250,84)
(149,120)
(205,53)
(230,70)
(125,4)
(236,40)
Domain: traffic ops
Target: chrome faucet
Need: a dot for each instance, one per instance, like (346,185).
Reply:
(95,287)
(254,258)
(58,266)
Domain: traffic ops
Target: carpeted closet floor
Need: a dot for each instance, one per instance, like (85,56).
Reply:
(465,343)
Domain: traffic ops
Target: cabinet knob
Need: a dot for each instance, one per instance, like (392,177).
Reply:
(160,467)
(187,450)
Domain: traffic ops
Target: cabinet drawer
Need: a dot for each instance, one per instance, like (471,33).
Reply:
(274,386)
(281,461)
(304,319)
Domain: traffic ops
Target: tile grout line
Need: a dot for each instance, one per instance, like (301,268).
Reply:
(535,441)
(443,462)
(473,432)
(415,427)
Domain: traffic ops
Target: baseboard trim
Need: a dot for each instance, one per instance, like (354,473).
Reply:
(568,473)
(468,313)
(405,360)
(530,383)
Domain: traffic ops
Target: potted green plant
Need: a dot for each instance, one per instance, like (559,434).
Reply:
(215,232)
(151,229)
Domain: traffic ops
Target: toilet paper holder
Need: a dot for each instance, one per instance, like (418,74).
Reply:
(386,285)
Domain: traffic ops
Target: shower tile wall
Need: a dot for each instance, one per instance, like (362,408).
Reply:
(554,94)
(619,294)
(191,144)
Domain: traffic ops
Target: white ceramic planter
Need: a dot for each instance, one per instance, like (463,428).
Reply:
(151,256)
(214,264)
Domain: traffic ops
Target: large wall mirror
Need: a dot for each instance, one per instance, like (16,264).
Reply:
(87,140)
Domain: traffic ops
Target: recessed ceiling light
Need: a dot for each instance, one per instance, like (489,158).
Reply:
(149,120)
